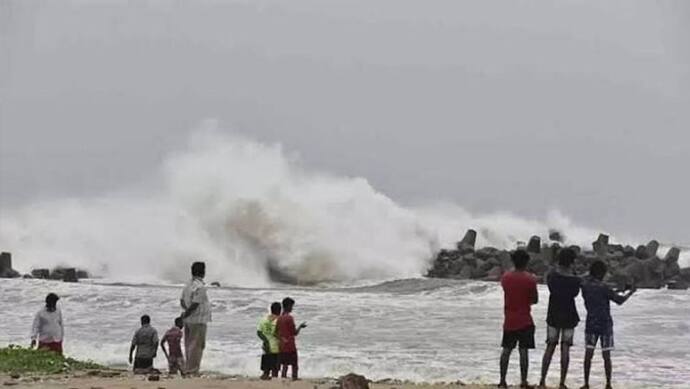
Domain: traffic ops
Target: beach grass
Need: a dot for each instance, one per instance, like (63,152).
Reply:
(15,359)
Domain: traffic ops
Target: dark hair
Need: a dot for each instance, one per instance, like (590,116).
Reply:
(275,308)
(198,269)
(288,303)
(179,322)
(566,257)
(145,319)
(51,301)
(520,259)
(598,269)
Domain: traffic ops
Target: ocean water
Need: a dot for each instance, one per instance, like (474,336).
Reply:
(414,329)
(243,207)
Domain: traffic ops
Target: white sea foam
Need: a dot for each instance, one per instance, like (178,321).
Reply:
(241,205)
(420,329)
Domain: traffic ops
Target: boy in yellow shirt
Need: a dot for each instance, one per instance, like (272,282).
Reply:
(266,331)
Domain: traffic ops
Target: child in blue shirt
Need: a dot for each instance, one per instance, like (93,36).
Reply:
(599,324)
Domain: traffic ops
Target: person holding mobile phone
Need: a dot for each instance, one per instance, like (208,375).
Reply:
(287,331)
(599,325)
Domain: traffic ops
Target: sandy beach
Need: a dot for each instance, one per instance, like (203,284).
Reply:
(129,381)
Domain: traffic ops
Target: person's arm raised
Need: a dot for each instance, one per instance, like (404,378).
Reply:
(301,326)
(620,299)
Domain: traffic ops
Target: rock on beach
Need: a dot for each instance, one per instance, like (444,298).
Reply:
(639,266)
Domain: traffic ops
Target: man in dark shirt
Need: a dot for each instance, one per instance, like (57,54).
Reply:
(145,341)
(520,293)
(562,317)
(599,325)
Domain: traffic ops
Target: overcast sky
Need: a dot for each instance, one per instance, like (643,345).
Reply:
(522,106)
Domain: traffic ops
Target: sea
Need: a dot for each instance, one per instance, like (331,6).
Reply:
(422,330)
(252,211)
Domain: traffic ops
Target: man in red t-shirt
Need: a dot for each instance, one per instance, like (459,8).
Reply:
(520,293)
(285,327)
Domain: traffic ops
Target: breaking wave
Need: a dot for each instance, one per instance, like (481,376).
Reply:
(253,213)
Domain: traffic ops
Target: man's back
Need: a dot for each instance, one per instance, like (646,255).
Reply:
(520,289)
(285,326)
(174,337)
(267,327)
(146,340)
(597,296)
(195,292)
(47,326)
(563,288)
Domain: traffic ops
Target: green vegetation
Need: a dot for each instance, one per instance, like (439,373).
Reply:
(16,359)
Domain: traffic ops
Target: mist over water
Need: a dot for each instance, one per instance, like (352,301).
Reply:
(237,204)
(579,106)
(243,207)
(394,106)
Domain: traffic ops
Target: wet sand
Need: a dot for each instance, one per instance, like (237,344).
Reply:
(129,381)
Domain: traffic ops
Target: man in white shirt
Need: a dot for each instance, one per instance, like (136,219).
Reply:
(47,327)
(196,315)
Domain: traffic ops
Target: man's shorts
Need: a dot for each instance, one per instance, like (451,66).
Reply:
(288,358)
(175,364)
(143,363)
(564,335)
(269,362)
(522,338)
(51,346)
(591,340)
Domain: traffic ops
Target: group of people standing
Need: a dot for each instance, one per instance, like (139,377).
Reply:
(277,330)
(48,330)
(520,293)
(190,326)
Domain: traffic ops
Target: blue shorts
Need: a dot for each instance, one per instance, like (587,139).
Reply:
(591,340)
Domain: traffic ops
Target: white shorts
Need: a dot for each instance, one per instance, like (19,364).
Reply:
(564,335)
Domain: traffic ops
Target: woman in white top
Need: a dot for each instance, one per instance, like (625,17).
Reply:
(47,328)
